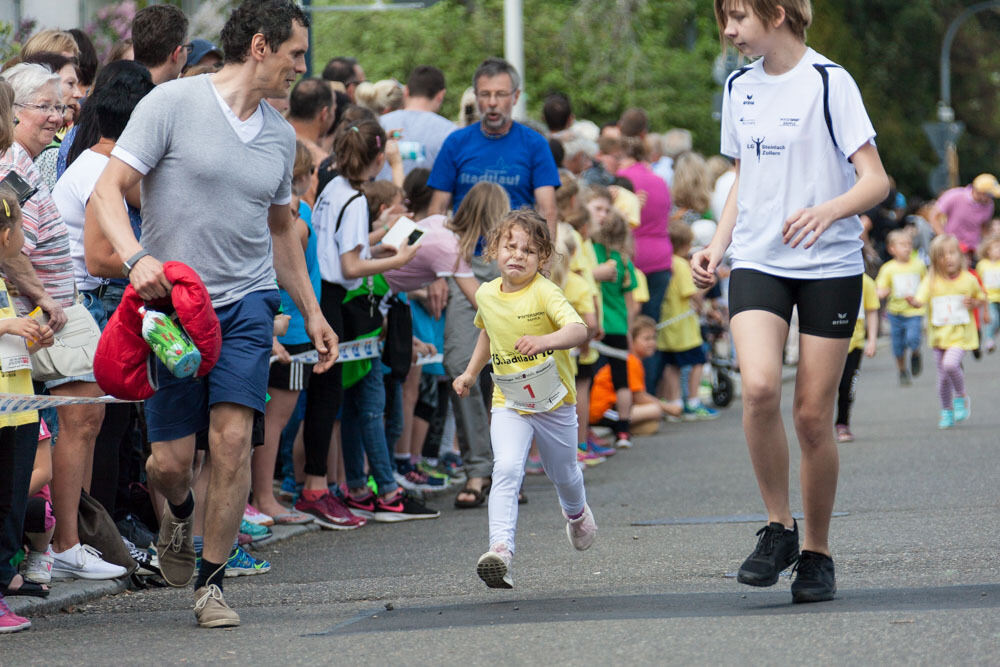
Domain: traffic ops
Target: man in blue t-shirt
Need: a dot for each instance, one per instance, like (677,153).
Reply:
(496,149)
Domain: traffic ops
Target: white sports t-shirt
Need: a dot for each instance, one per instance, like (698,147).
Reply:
(776,127)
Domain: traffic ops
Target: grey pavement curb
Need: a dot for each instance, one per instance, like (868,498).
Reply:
(79,591)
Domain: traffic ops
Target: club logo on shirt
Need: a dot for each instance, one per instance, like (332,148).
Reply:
(762,149)
(747,121)
(500,360)
(498,174)
(748,102)
(789,122)
(532,317)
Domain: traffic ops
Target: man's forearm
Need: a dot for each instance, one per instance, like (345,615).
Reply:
(22,274)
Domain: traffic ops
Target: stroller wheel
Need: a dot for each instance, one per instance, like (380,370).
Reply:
(722,390)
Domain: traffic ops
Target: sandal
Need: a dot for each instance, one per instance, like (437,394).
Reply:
(479,494)
(29,588)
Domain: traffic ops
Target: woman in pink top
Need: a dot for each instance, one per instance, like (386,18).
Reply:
(653,251)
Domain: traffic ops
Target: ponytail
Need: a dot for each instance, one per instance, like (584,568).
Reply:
(357,146)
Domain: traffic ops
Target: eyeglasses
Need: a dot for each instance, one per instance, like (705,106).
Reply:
(47,109)
(500,95)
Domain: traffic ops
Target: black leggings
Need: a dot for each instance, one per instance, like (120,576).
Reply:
(326,391)
(848,384)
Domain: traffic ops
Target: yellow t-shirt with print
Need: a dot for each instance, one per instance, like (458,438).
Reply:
(901,279)
(869,301)
(684,329)
(627,203)
(538,309)
(934,292)
(583,262)
(16,382)
(641,292)
(989,273)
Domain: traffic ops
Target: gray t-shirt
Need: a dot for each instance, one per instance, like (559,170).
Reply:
(206,195)
(423,134)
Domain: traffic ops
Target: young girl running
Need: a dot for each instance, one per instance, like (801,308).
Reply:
(804,172)
(528,327)
(988,269)
(952,294)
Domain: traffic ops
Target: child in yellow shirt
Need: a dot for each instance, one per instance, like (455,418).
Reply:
(952,294)
(898,280)
(18,431)
(865,337)
(528,328)
(988,269)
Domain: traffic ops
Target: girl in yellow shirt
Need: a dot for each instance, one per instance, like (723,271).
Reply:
(988,269)
(528,328)
(952,294)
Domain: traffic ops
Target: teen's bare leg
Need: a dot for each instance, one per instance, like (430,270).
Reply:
(821,363)
(759,337)
(276,415)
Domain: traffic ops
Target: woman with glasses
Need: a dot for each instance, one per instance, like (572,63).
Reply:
(43,275)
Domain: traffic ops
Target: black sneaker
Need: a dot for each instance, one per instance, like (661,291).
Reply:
(916,364)
(403,507)
(814,579)
(776,549)
(143,558)
(135,531)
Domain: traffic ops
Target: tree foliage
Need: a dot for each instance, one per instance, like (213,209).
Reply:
(608,55)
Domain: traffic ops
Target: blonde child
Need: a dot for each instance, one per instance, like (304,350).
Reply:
(611,242)
(19,431)
(898,280)
(528,327)
(865,337)
(647,410)
(952,294)
(988,269)
(679,335)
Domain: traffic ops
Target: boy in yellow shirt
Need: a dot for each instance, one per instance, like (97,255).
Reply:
(18,431)
(679,336)
(898,280)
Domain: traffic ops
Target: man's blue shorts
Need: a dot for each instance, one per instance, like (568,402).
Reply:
(180,407)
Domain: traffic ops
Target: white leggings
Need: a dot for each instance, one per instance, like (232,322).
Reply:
(555,434)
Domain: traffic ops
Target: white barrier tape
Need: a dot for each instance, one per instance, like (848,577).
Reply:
(11,403)
(675,319)
(355,350)
(609,351)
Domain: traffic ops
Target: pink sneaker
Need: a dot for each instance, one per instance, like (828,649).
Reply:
(9,621)
(844,433)
(582,530)
(494,567)
(329,512)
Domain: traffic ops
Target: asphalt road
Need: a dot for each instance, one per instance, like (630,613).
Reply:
(916,555)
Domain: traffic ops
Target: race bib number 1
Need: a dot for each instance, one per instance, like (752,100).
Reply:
(537,389)
(949,310)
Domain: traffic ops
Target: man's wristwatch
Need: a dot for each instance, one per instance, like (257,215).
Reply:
(131,261)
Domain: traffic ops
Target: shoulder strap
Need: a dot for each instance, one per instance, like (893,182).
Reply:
(344,208)
(740,72)
(825,75)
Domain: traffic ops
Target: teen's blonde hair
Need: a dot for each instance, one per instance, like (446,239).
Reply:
(568,189)
(534,226)
(988,242)
(304,162)
(898,235)
(691,189)
(481,209)
(564,251)
(57,41)
(798,13)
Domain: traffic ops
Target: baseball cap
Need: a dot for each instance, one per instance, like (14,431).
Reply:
(987,184)
(199,49)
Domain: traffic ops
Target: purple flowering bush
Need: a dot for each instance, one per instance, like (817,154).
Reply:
(112,24)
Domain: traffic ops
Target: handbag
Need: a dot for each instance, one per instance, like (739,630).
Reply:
(72,352)
(99,531)
(397,352)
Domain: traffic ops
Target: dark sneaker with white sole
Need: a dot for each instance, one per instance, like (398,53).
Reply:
(403,507)
(777,549)
(814,578)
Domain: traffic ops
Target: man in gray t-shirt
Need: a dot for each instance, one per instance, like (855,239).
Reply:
(422,129)
(215,162)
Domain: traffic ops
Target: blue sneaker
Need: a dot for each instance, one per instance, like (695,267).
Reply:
(290,489)
(962,407)
(699,412)
(258,533)
(600,450)
(947,419)
(241,563)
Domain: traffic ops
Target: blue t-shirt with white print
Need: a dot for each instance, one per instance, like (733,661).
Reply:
(519,161)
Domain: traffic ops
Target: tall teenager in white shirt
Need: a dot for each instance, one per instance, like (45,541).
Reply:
(806,165)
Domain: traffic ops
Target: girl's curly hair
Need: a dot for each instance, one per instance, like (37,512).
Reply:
(532,223)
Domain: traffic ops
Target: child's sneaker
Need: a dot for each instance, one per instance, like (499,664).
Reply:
(904,379)
(290,489)
(533,466)
(241,563)
(589,458)
(599,449)
(991,346)
(403,507)
(37,567)
(11,622)
(844,433)
(916,363)
(494,567)
(258,532)
(623,441)
(962,408)
(699,412)
(362,507)
(947,419)
(582,530)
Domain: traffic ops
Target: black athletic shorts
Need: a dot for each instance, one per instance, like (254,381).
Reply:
(586,371)
(294,376)
(828,307)
(619,367)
